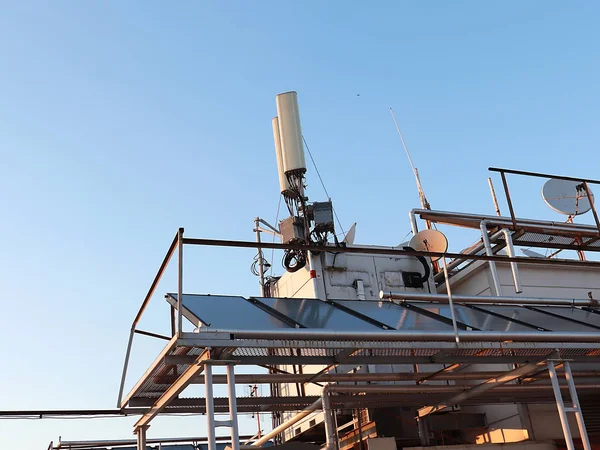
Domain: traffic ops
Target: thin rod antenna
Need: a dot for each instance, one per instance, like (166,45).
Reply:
(422,198)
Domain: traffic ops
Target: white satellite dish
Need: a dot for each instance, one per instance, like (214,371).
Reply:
(429,241)
(566,197)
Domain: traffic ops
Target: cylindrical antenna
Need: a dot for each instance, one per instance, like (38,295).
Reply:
(422,198)
(494,196)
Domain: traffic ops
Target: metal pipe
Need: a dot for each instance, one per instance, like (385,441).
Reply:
(233,416)
(386,251)
(330,429)
(507,221)
(577,407)
(449,292)
(288,423)
(508,200)
(494,199)
(414,227)
(210,408)
(261,263)
(562,414)
(125,366)
(141,438)
(513,265)
(369,377)
(542,175)
(399,336)
(488,250)
(179,280)
(441,298)
(592,206)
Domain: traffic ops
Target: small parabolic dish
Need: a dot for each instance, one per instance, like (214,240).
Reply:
(566,197)
(429,241)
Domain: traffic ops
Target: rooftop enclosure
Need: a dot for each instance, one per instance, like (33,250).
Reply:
(485,348)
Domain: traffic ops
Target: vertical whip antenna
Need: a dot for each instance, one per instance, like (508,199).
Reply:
(422,198)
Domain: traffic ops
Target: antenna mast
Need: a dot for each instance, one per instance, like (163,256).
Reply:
(422,198)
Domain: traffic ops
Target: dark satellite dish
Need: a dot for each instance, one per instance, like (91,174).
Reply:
(566,197)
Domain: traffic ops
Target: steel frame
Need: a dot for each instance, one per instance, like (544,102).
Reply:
(456,347)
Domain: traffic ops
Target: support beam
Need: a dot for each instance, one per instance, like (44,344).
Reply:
(174,390)
(481,388)
(141,437)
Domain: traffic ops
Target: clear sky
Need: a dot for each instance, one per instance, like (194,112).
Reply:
(121,121)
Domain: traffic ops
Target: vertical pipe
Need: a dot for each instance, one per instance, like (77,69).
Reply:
(261,261)
(330,431)
(578,414)
(488,250)
(513,265)
(125,366)
(210,408)
(494,199)
(413,222)
(179,279)
(141,437)
(560,406)
(449,292)
(591,200)
(508,200)
(235,436)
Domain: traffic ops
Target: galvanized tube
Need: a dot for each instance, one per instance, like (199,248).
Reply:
(414,227)
(577,406)
(401,336)
(494,199)
(562,414)
(179,280)
(441,298)
(330,429)
(233,415)
(489,252)
(288,423)
(587,230)
(261,263)
(210,408)
(125,366)
(510,249)
(449,292)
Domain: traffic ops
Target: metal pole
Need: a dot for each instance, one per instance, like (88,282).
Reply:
(261,262)
(577,407)
(488,251)
(235,437)
(475,299)
(508,200)
(141,437)
(494,199)
(210,408)
(513,265)
(330,431)
(591,200)
(288,423)
(393,251)
(125,366)
(179,280)
(560,406)
(449,292)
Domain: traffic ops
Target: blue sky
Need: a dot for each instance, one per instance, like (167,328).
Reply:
(120,122)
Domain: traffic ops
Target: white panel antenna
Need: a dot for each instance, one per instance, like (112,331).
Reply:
(284,184)
(290,132)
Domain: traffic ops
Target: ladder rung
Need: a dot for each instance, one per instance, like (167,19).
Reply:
(223,423)
(571,410)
